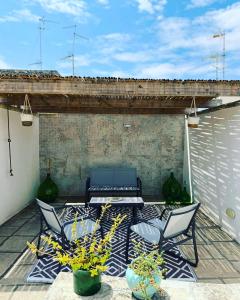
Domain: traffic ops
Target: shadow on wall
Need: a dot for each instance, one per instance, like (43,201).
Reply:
(215,162)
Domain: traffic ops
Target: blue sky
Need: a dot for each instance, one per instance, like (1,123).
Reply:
(126,38)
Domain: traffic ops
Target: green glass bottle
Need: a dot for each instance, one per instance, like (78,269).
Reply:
(185,197)
(171,190)
(48,190)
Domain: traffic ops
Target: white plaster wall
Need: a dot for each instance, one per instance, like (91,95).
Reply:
(215,166)
(18,190)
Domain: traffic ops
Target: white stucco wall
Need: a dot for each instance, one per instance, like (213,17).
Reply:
(215,166)
(18,190)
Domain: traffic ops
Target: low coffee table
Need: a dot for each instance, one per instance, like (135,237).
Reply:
(130,202)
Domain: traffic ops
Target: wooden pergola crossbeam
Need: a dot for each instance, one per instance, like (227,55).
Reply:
(97,95)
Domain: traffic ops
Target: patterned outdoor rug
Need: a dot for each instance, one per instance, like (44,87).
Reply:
(46,269)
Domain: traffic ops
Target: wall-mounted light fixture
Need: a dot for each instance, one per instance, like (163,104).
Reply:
(127,125)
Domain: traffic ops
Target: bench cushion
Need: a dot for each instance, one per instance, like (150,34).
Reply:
(113,177)
(95,188)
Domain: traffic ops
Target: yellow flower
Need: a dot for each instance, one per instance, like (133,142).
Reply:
(94,272)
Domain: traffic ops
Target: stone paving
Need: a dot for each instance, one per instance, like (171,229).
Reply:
(219,255)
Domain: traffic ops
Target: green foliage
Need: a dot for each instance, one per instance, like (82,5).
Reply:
(89,254)
(171,190)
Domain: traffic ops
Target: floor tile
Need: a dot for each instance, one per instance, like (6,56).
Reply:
(7,230)
(231,250)
(15,244)
(7,260)
(204,251)
(27,258)
(6,292)
(215,268)
(2,239)
(211,280)
(231,280)
(30,292)
(214,235)
(17,275)
(31,228)
(15,222)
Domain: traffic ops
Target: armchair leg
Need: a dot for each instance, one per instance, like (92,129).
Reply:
(127,244)
(38,244)
(195,248)
(87,199)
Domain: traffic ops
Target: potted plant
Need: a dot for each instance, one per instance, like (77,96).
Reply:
(87,257)
(171,190)
(26,115)
(143,274)
(193,119)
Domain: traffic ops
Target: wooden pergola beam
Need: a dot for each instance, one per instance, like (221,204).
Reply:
(114,96)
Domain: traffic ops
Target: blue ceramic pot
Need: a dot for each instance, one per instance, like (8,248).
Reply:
(133,281)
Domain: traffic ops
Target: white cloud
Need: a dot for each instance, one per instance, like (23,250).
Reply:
(133,57)
(151,6)
(200,3)
(112,43)
(183,69)
(103,2)
(71,7)
(3,64)
(20,15)
(116,37)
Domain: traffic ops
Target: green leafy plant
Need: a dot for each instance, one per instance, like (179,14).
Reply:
(147,266)
(90,254)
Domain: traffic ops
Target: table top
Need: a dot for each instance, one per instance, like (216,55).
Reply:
(116,288)
(118,201)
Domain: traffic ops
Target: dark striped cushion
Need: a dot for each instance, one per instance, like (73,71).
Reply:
(95,188)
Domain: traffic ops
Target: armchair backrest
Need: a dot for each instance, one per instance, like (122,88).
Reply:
(50,216)
(179,220)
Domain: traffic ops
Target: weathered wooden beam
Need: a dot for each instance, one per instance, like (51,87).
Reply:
(83,101)
(94,86)
(103,110)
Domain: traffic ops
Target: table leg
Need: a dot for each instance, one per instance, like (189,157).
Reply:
(134,215)
(99,210)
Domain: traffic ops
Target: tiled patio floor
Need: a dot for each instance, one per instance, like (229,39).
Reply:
(219,255)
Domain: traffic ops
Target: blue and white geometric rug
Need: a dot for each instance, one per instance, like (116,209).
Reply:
(46,269)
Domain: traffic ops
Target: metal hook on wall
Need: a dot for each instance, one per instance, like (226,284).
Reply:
(9,144)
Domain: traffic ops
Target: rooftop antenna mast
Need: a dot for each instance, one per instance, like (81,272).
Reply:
(75,36)
(42,26)
(222,35)
(216,59)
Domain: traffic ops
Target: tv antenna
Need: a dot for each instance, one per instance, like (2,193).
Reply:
(215,58)
(42,26)
(75,36)
(222,35)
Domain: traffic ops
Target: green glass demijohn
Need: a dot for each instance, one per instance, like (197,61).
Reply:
(171,190)
(185,197)
(48,190)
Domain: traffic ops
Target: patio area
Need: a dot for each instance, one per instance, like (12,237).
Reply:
(219,254)
(135,135)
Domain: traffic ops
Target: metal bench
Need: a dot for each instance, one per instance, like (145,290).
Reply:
(113,181)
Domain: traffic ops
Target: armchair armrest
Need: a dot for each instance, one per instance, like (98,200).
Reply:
(163,212)
(139,220)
